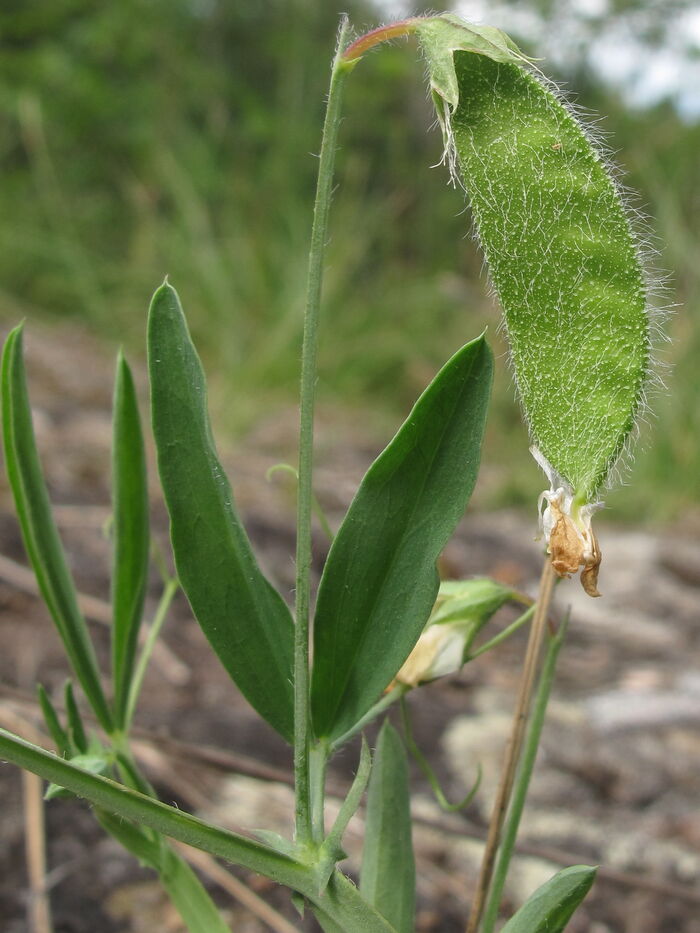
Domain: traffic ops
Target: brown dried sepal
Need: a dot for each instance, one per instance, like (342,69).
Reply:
(589,574)
(569,551)
(565,545)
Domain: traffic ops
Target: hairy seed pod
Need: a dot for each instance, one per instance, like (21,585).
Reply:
(563,261)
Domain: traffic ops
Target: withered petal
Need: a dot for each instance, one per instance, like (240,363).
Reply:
(565,547)
(589,575)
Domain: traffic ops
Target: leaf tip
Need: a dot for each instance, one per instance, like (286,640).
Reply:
(14,337)
(165,290)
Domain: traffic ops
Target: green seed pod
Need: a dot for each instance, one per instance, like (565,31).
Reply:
(565,265)
(563,261)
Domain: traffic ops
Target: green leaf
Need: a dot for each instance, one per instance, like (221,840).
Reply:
(246,621)
(388,874)
(53,724)
(75,722)
(39,532)
(380,582)
(131,535)
(550,908)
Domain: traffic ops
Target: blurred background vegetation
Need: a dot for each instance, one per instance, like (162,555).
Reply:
(148,137)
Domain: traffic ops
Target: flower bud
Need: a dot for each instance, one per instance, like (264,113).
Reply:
(462,608)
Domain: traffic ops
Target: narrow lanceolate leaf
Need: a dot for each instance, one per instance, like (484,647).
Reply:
(388,875)
(39,531)
(246,621)
(58,733)
(75,721)
(379,584)
(131,534)
(551,906)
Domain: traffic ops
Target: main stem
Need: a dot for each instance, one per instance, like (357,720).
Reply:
(512,753)
(319,235)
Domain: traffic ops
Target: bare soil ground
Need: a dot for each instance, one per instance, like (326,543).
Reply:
(617,782)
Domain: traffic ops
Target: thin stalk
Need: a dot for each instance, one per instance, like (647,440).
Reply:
(171,588)
(425,767)
(522,783)
(319,236)
(350,804)
(505,634)
(386,701)
(514,746)
(161,563)
(315,504)
(129,772)
(322,520)
(357,49)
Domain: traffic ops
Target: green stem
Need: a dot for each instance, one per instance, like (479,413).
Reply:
(318,763)
(319,236)
(332,850)
(341,901)
(523,779)
(386,701)
(144,810)
(171,588)
(427,770)
(502,636)
(161,563)
(129,773)
(402,28)
(322,520)
(185,890)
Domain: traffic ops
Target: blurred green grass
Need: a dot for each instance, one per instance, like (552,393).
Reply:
(148,138)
